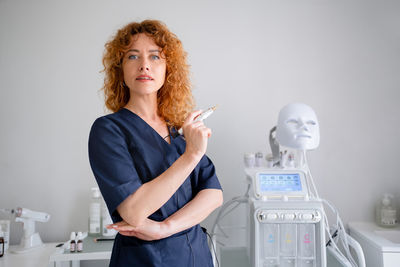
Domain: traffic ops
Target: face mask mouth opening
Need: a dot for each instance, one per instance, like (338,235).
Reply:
(303,136)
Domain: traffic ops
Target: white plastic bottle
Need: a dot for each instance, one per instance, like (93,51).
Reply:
(106,220)
(386,214)
(249,160)
(95,213)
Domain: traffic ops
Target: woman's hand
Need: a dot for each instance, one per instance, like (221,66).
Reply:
(149,230)
(196,135)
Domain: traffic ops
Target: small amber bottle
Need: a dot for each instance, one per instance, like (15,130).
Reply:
(72,244)
(79,244)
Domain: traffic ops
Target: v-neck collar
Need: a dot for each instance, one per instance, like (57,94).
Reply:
(151,128)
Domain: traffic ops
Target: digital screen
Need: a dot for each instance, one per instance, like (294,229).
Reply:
(279,182)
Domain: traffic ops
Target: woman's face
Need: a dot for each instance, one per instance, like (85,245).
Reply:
(143,66)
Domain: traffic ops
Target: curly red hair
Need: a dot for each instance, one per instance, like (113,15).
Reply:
(174,98)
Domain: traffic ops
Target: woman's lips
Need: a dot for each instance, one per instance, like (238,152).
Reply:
(144,78)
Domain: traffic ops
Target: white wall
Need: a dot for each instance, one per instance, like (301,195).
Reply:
(251,57)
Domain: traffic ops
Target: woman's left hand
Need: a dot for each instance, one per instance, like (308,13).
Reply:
(149,230)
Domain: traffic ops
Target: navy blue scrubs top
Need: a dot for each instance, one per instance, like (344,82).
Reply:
(125,152)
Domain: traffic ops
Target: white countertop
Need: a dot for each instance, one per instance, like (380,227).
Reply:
(376,235)
(38,257)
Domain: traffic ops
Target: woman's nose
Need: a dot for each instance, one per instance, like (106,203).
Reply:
(144,65)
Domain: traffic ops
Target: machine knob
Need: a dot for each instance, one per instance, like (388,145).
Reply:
(262,216)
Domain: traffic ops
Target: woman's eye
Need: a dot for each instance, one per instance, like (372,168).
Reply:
(155,57)
(132,57)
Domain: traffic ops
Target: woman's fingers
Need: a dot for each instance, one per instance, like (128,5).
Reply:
(192,116)
(138,234)
(117,224)
(202,128)
(124,228)
(208,132)
(149,231)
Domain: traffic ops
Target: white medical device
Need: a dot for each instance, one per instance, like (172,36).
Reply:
(286,220)
(286,227)
(30,239)
(287,224)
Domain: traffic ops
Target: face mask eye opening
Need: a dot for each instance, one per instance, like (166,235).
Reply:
(311,123)
(291,122)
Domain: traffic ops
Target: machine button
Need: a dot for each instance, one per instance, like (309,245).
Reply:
(317,216)
(289,216)
(272,216)
(307,216)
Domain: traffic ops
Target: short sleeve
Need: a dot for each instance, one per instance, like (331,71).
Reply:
(207,175)
(112,163)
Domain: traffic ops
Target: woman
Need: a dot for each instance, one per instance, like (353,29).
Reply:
(158,186)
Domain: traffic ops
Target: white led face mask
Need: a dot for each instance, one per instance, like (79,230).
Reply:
(298,127)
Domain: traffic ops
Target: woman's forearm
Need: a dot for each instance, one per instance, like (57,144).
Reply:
(191,214)
(195,211)
(152,195)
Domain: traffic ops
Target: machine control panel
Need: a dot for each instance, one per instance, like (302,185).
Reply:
(280,184)
(288,216)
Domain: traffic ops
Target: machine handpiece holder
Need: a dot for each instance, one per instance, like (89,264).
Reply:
(30,238)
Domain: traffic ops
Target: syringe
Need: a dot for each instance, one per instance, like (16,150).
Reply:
(201,117)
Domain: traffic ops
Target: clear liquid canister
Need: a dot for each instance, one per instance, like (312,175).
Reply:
(306,240)
(306,263)
(287,262)
(288,240)
(269,246)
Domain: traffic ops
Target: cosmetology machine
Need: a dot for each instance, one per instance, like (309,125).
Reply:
(287,224)
(30,239)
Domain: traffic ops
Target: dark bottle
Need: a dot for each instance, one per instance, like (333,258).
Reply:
(1,246)
(79,244)
(72,245)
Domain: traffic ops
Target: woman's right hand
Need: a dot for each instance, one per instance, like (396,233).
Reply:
(150,230)
(196,135)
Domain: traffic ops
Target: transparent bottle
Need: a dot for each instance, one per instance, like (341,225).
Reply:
(386,214)
(95,220)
